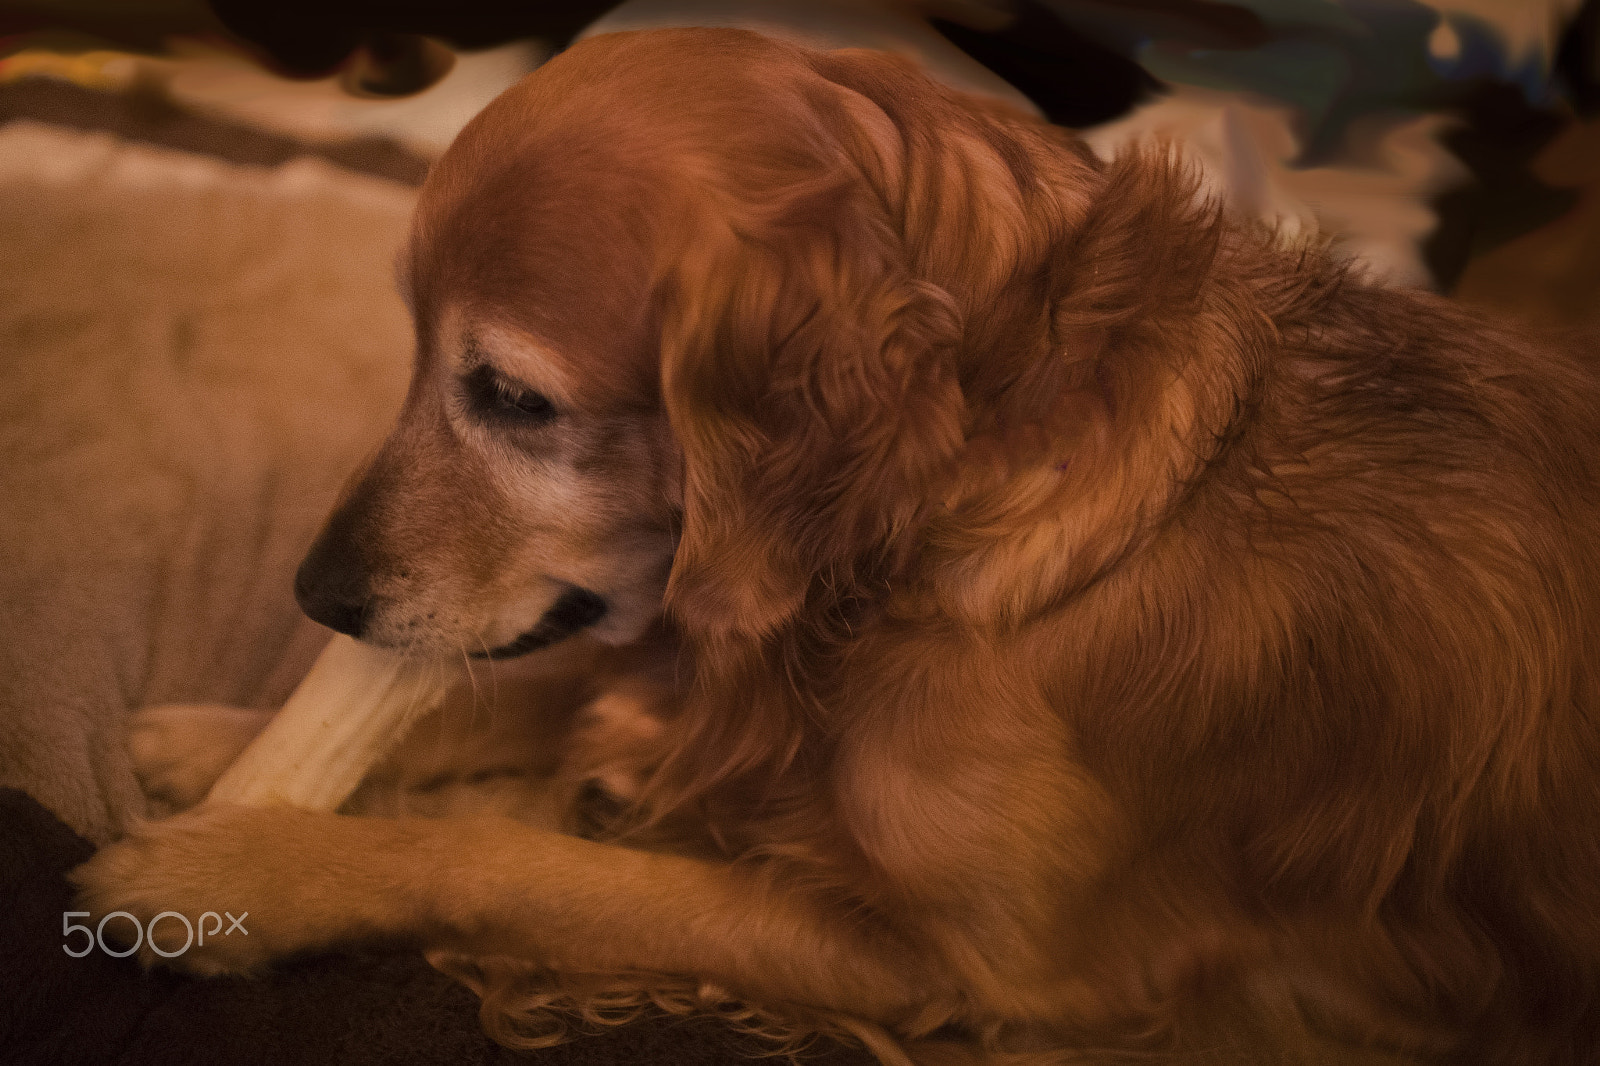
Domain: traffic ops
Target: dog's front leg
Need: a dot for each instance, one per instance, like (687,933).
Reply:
(495,887)
(582,906)
(292,880)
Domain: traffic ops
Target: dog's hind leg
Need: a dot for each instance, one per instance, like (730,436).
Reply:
(180,749)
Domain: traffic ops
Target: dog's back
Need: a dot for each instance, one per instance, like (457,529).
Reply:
(1355,674)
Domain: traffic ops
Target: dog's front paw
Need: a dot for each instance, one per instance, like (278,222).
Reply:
(212,891)
(179,750)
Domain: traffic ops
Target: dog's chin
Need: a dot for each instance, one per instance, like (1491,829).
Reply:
(575,610)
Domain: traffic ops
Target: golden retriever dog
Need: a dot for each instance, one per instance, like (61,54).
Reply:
(1106,631)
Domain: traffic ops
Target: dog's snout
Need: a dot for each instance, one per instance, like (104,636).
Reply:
(332,585)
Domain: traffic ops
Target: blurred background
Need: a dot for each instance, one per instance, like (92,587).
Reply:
(1445,143)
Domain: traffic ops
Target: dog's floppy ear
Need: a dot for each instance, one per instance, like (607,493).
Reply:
(810,381)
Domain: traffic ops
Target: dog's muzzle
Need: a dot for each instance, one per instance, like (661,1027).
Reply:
(576,609)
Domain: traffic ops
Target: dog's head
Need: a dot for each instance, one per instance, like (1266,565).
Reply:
(672,345)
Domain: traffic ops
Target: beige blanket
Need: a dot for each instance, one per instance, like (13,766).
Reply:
(193,356)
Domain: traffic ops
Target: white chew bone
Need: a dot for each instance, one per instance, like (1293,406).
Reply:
(354,706)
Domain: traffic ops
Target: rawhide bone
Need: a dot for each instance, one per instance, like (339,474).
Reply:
(354,706)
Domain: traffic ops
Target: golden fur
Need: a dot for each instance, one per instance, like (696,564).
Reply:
(1105,629)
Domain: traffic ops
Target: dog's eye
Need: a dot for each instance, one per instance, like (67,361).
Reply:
(495,397)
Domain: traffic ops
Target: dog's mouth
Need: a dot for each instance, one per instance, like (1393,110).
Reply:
(576,609)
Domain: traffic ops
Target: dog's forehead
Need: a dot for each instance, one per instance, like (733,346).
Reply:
(556,208)
(647,121)
(553,249)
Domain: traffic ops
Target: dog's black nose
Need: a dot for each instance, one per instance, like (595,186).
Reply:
(342,613)
(332,591)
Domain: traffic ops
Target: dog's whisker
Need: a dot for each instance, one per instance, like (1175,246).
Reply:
(472,678)
(494,680)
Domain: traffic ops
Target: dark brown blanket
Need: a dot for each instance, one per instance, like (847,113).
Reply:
(387,1009)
